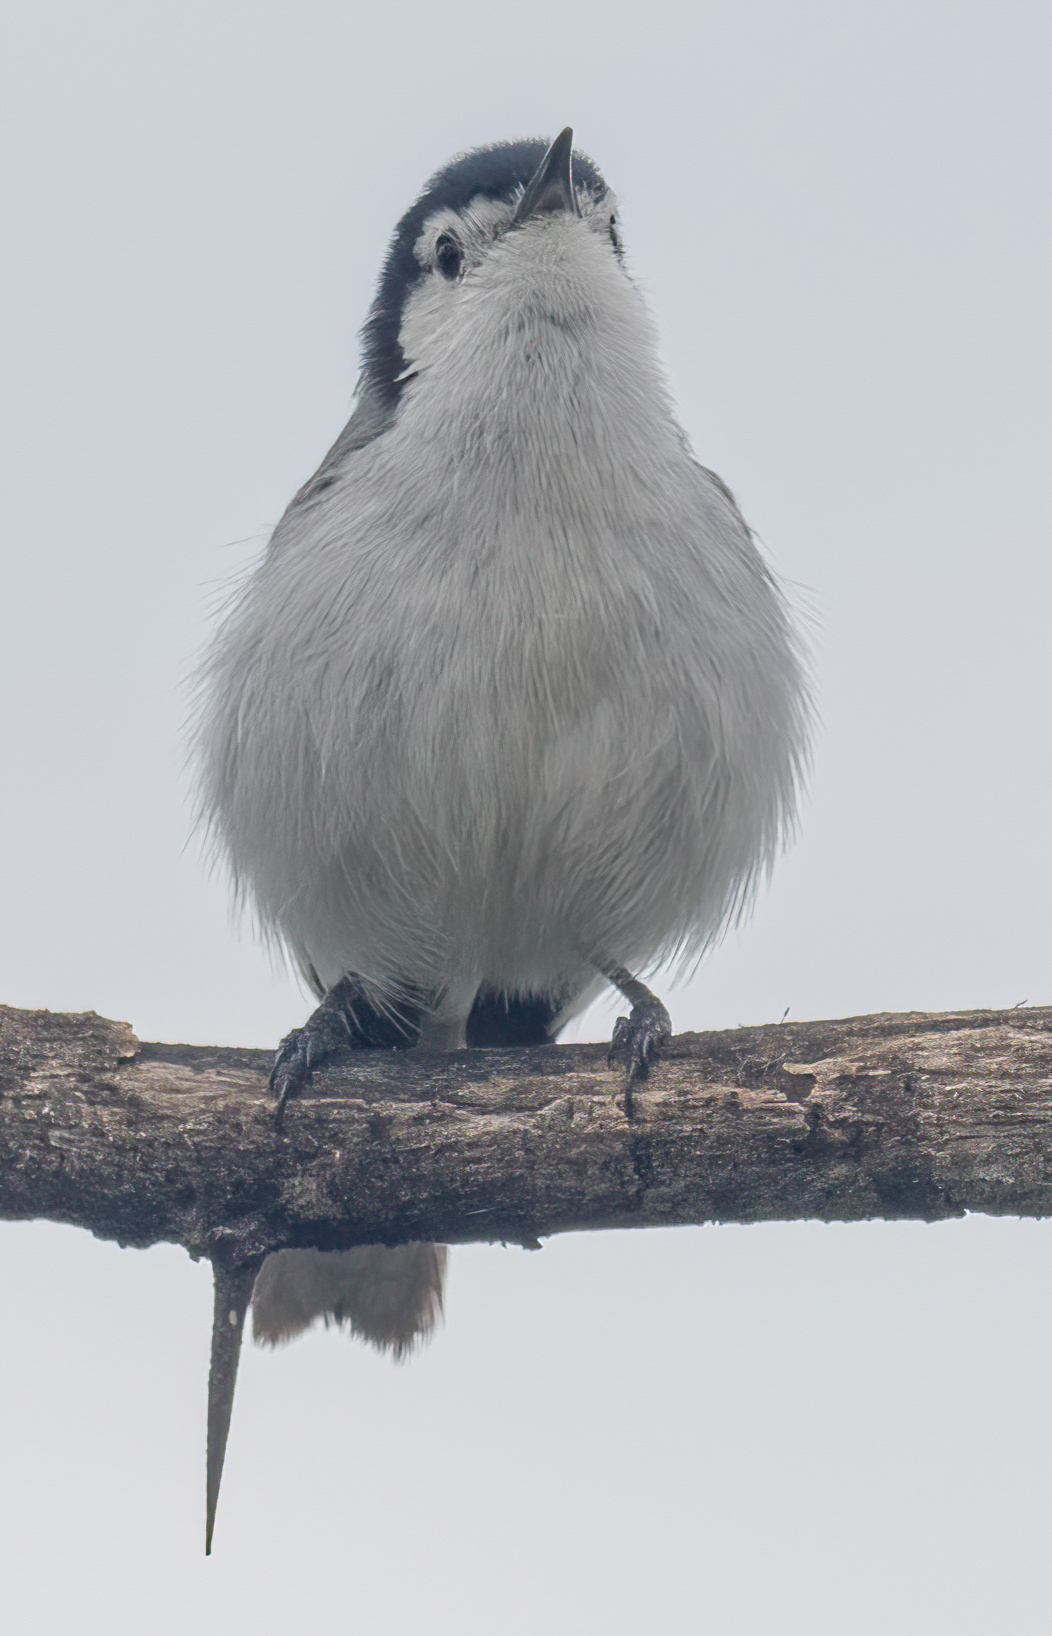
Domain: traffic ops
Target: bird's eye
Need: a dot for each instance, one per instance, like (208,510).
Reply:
(449,257)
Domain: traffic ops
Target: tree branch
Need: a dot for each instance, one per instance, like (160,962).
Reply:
(916,1116)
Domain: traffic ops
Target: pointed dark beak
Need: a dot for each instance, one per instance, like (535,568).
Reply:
(550,188)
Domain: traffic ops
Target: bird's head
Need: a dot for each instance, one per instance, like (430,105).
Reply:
(503,241)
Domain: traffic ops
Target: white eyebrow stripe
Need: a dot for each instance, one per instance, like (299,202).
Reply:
(472,225)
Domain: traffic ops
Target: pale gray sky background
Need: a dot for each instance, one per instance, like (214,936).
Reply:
(839,213)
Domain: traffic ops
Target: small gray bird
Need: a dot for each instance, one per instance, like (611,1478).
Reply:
(512,707)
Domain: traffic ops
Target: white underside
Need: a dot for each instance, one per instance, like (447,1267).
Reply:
(516,693)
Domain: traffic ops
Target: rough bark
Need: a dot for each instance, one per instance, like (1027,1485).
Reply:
(914,1116)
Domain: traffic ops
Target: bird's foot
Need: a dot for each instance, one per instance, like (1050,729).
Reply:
(306,1048)
(639,1037)
(347,1016)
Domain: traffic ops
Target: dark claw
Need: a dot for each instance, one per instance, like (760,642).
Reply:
(290,1071)
(345,1017)
(304,1050)
(639,1037)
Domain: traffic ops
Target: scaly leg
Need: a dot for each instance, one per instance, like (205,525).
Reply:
(639,1037)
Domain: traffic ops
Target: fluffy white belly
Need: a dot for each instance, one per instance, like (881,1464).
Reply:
(450,774)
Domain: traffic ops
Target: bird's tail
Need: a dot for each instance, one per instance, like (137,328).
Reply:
(390,1298)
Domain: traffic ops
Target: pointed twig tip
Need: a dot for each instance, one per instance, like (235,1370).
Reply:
(233,1291)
